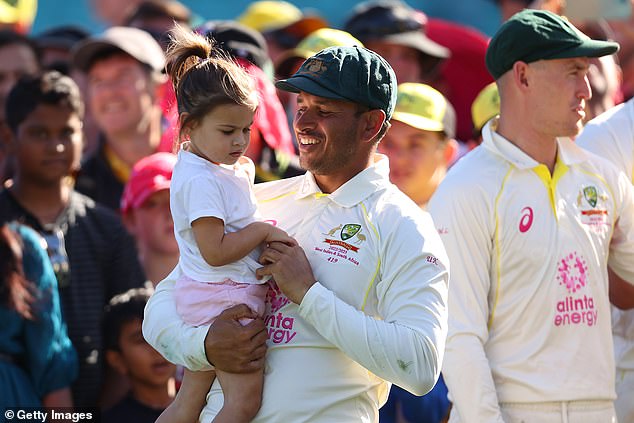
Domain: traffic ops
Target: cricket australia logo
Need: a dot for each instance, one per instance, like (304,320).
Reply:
(349,230)
(590,194)
(348,233)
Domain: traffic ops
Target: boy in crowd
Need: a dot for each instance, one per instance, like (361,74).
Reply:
(150,375)
(420,144)
(145,208)
(93,256)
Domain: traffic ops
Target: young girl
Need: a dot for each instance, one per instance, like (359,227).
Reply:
(214,211)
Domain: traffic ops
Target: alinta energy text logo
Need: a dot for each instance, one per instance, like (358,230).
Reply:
(574,309)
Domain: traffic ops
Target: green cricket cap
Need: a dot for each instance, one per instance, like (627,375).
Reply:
(353,74)
(532,35)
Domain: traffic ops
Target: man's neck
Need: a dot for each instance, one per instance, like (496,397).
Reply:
(542,148)
(156,397)
(45,202)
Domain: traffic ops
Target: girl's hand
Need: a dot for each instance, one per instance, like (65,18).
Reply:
(278,235)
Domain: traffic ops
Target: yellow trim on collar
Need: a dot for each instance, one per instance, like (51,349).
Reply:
(120,169)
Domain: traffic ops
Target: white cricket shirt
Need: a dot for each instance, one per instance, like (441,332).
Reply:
(377,314)
(611,135)
(529,310)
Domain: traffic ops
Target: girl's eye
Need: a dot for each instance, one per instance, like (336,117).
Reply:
(227,131)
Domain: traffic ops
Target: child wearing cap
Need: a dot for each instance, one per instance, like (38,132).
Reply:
(145,210)
(420,143)
(214,210)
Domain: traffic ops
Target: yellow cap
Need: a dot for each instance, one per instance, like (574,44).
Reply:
(423,107)
(485,106)
(312,44)
(270,15)
(20,12)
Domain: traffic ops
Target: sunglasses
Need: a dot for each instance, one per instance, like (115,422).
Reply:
(56,249)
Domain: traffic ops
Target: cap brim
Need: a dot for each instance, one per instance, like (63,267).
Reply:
(295,84)
(418,122)
(86,51)
(589,48)
(419,41)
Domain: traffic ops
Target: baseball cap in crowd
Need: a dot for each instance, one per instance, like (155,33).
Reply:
(353,74)
(485,106)
(63,37)
(393,22)
(313,43)
(133,41)
(269,17)
(532,35)
(422,107)
(238,40)
(149,175)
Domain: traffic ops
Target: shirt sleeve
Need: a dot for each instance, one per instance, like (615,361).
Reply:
(406,345)
(621,254)
(51,358)
(466,229)
(168,334)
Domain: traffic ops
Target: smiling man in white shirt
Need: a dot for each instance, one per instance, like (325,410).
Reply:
(361,303)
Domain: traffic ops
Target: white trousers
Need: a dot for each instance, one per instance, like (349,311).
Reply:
(624,403)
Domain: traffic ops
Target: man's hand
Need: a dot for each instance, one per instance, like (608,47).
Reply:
(289,267)
(234,348)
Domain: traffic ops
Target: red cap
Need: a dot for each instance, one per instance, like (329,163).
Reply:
(149,175)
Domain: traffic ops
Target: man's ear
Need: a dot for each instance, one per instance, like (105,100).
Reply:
(116,361)
(372,123)
(129,221)
(451,151)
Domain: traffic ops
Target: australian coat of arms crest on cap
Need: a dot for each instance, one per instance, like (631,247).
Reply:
(314,67)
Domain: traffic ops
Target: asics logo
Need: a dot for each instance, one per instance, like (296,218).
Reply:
(526,221)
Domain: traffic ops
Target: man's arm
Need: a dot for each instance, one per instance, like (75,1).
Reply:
(466,231)
(405,346)
(226,343)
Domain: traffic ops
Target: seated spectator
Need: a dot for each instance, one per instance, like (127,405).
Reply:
(93,255)
(397,32)
(151,377)
(145,208)
(124,85)
(37,360)
(420,143)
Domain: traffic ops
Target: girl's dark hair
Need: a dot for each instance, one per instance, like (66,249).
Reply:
(205,77)
(50,88)
(15,291)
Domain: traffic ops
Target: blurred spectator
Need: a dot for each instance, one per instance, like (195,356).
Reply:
(397,32)
(55,45)
(464,74)
(149,374)
(17,15)
(271,147)
(92,254)
(37,360)
(18,56)
(113,12)
(421,146)
(157,17)
(485,107)
(421,141)
(124,85)
(282,24)
(145,208)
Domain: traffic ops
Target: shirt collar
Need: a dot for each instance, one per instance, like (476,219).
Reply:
(567,152)
(357,189)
